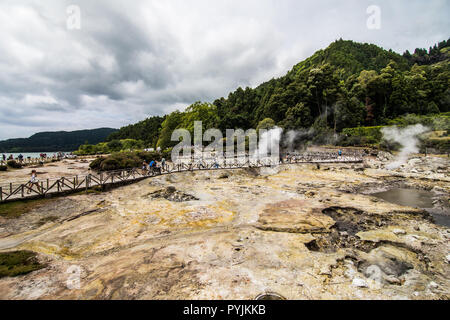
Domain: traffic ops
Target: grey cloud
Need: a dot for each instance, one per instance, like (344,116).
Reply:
(134,59)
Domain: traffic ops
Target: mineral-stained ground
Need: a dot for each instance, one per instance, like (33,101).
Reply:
(297,230)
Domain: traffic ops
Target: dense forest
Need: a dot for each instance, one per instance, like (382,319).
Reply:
(346,85)
(55,141)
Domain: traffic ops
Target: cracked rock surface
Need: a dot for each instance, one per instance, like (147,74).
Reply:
(294,230)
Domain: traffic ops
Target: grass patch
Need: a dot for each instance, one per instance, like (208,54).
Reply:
(16,263)
(15,209)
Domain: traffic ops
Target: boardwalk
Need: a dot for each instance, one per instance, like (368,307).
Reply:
(65,185)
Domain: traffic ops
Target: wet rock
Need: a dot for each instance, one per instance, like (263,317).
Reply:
(352,220)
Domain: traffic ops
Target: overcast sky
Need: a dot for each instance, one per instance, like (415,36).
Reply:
(134,59)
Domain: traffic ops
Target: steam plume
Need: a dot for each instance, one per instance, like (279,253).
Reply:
(407,138)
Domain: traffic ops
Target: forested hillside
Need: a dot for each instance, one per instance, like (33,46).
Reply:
(345,85)
(55,141)
(147,130)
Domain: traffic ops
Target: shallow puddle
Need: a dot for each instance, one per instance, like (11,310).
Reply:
(415,198)
(407,197)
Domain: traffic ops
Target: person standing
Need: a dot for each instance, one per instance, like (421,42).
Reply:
(150,167)
(156,168)
(144,167)
(33,182)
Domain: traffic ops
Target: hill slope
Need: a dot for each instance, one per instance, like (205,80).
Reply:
(348,84)
(55,141)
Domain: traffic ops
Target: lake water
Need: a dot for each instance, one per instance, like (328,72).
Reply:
(415,198)
(30,154)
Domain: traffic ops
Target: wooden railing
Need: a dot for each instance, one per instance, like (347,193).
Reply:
(42,188)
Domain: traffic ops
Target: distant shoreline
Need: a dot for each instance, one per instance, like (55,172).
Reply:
(32,154)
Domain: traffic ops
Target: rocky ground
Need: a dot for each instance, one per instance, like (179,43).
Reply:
(296,230)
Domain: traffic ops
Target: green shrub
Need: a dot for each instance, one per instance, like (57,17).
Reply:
(16,263)
(110,164)
(442,146)
(362,136)
(14,164)
(371,133)
(116,161)
(95,165)
(115,145)
(436,122)
(149,155)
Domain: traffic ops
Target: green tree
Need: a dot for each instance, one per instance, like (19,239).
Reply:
(298,116)
(171,123)
(265,124)
(115,145)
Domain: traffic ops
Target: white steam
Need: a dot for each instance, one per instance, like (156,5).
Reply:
(269,143)
(407,138)
(294,139)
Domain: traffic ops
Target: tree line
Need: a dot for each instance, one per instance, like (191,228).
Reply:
(346,85)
